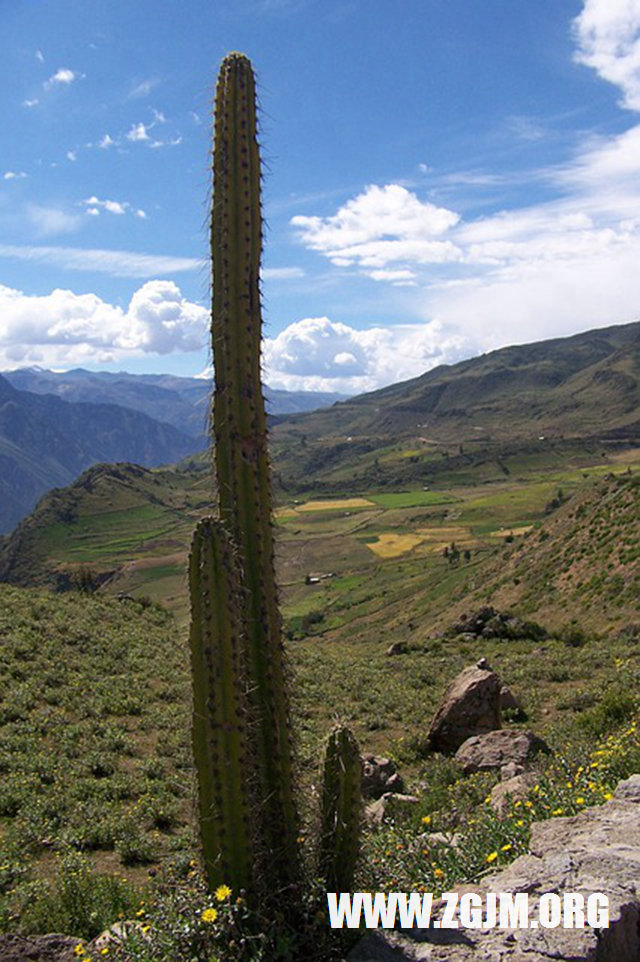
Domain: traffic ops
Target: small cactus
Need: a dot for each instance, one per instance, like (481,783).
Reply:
(340,811)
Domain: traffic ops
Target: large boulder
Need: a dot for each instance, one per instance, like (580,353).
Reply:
(469,706)
(495,749)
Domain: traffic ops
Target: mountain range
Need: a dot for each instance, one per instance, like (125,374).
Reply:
(54,425)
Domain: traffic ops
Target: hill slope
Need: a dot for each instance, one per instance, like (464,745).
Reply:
(585,386)
(46,442)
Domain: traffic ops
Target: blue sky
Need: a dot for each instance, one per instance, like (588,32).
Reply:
(443,177)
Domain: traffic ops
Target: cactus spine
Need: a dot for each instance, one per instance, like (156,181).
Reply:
(241,728)
(340,811)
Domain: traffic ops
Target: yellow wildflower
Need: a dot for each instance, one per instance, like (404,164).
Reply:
(209,915)
(222,892)
(438,873)
(505,848)
(426,820)
(492,856)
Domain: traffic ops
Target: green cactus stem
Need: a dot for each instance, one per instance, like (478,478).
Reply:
(341,803)
(220,742)
(242,466)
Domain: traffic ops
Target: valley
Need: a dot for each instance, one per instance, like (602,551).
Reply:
(380,553)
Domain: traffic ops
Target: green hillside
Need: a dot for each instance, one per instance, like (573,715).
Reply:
(94,711)
(530,400)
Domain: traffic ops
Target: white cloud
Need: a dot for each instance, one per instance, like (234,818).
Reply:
(106,142)
(111,206)
(381,226)
(317,354)
(154,144)
(30,103)
(63,76)
(64,328)
(40,56)
(607,33)
(14,175)
(118,263)
(143,88)
(72,155)
(281,273)
(138,133)
(51,220)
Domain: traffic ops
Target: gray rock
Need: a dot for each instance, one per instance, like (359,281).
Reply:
(510,770)
(386,806)
(379,776)
(397,648)
(38,948)
(512,789)
(469,706)
(509,703)
(595,851)
(494,749)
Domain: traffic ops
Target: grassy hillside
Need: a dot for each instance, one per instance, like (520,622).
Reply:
(514,402)
(94,714)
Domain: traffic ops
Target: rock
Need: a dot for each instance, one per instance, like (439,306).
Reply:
(481,753)
(113,937)
(488,622)
(512,789)
(429,839)
(386,806)
(469,706)
(595,851)
(379,776)
(397,648)
(509,703)
(510,770)
(38,948)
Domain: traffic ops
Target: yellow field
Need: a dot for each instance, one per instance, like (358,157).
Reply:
(431,539)
(393,545)
(337,505)
(505,532)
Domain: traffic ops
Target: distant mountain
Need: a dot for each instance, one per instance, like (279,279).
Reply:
(180,401)
(45,442)
(581,387)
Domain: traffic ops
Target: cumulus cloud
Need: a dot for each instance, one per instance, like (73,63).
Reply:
(318,354)
(94,205)
(381,226)
(14,175)
(30,103)
(607,34)
(64,328)
(64,76)
(138,133)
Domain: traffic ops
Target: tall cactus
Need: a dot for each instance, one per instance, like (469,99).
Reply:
(241,730)
(340,811)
